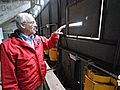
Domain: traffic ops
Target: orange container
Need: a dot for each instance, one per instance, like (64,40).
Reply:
(53,54)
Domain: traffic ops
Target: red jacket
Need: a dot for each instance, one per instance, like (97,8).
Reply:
(23,68)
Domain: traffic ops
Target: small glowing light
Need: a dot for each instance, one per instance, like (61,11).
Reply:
(76,24)
(86,17)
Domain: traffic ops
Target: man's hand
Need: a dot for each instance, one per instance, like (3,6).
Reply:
(58,31)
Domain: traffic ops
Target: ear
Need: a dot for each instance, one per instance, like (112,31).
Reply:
(22,25)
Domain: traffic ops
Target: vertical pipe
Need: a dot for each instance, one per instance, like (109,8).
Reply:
(67,19)
(59,70)
(49,11)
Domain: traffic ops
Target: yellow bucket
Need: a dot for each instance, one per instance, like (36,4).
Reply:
(53,54)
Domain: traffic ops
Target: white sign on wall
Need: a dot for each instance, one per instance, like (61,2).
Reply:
(1,35)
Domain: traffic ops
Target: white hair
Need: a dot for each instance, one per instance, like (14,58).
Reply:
(23,17)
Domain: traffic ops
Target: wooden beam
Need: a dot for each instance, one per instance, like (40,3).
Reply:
(52,80)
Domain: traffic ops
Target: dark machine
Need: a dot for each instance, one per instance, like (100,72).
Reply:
(96,42)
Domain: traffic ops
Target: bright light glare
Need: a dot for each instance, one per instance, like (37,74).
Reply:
(42,2)
(73,24)
(76,24)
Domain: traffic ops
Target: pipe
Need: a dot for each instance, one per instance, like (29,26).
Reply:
(92,64)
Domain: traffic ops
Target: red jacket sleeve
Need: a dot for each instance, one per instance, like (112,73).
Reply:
(9,81)
(51,42)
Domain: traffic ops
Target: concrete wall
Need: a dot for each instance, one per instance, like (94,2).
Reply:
(9,10)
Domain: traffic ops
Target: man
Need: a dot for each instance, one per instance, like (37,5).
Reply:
(22,57)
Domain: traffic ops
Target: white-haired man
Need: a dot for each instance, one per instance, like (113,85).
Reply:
(22,55)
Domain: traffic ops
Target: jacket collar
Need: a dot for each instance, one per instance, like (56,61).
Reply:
(17,39)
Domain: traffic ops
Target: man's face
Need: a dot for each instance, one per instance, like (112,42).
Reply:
(30,26)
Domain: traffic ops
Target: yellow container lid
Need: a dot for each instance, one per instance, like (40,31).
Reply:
(98,76)
(92,85)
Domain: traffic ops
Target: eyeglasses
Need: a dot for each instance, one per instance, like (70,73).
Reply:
(32,22)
